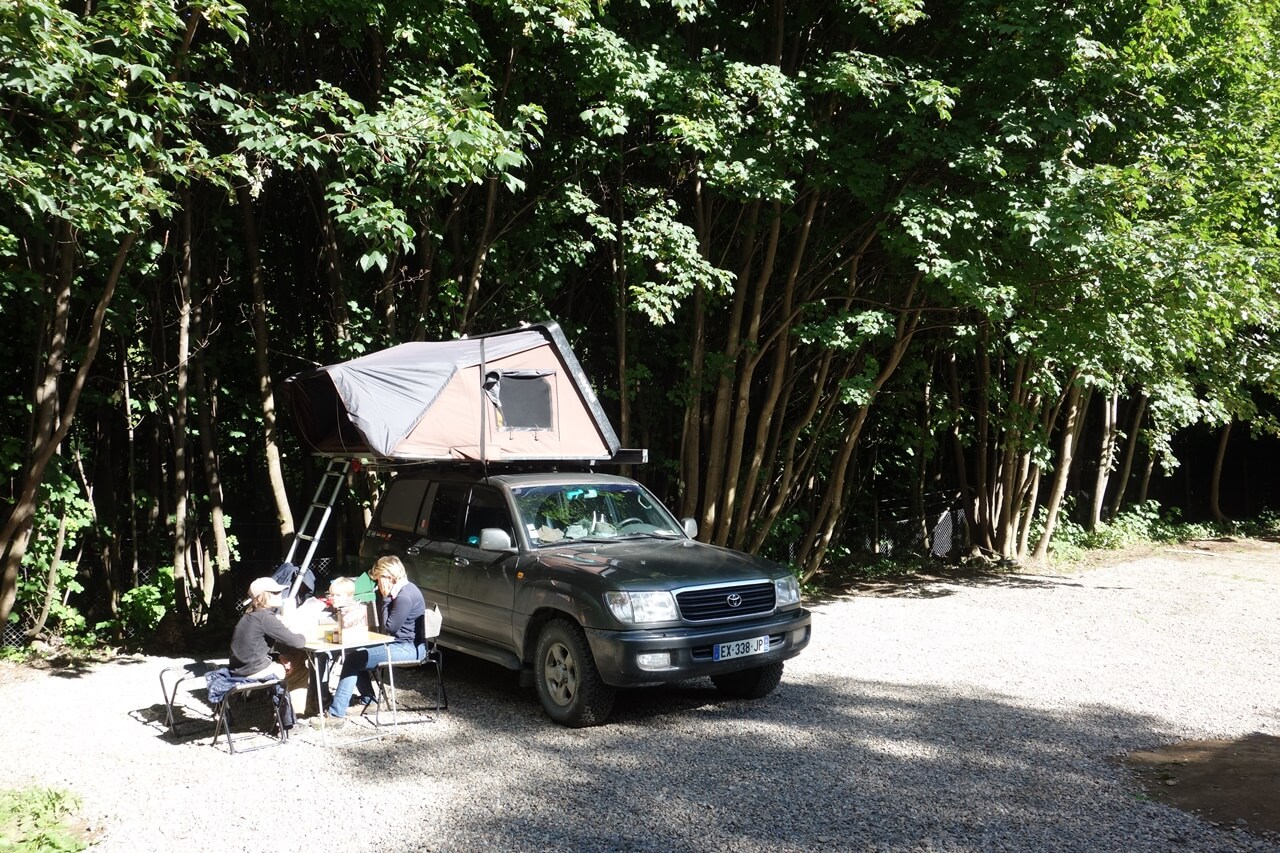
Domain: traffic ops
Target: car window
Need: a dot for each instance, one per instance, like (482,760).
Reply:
(558,513)
(442,521)
(486,509)
(401,504)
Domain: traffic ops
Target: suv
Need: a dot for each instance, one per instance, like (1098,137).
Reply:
(586,583)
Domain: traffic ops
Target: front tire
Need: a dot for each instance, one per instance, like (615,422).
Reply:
(754,683)
(569,685)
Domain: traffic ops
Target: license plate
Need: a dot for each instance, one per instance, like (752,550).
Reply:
(741,648)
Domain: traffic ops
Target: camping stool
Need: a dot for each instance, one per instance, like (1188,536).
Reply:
(385,674)
(222,713)
(170,691)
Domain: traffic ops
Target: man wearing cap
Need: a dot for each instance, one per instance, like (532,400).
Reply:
(251,642)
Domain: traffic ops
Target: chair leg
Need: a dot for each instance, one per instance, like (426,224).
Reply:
(224,718)
(386,676)
(222,724)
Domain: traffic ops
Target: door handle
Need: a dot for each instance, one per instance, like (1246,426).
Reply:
(411,551)
(461,561)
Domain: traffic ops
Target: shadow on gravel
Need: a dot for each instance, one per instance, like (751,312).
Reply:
(836,763)
(939,584)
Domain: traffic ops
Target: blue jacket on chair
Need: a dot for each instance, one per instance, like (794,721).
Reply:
(221,682)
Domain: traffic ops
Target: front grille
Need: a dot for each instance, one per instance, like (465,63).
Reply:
(702,605)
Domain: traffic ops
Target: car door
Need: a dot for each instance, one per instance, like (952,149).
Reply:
(482,584)
(419,521)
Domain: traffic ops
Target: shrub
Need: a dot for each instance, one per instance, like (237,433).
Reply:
(33,819)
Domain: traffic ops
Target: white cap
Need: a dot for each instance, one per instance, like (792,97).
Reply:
(262,585)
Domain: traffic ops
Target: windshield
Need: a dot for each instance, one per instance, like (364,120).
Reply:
(553,514)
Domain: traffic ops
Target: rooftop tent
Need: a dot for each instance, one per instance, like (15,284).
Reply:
(517,395)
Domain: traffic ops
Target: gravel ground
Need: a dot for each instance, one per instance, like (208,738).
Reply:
(945,715)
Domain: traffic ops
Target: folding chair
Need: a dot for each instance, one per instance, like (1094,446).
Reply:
(172,712)
(240,693)
(385,673)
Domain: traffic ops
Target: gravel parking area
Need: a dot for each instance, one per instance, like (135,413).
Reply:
(941,715)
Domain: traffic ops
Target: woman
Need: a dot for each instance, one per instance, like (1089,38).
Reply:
(258,631)
(402,608)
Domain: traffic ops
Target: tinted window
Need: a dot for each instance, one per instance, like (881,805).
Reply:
(401,503)
(445,517)
(487,509)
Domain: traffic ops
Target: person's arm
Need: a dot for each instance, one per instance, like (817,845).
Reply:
(280,634)
(405,607)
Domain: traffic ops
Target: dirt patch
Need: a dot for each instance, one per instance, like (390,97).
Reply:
(1229,782)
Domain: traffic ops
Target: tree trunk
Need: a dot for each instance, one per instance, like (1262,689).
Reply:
(982,450)
(126,393)
(620,336)
(471,296)
(207,418)
(722,414)
(51,579)
(1130,450)
(967,496)
(737,509)
(266,396)
(1215,481)
(1145,484)
(817,538)
(691,432)
(53,415)
(691,425)
(332,266)
(182,569)
(1029,516)
(1070,434)
(1106,457)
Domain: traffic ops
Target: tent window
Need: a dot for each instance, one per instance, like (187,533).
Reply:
(523,397)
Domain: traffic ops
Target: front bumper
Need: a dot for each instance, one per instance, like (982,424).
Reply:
(690,649)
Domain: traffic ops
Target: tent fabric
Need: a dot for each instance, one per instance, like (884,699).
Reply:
(429,401)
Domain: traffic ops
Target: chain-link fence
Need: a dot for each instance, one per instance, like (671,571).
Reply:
(937,528)
(14,634)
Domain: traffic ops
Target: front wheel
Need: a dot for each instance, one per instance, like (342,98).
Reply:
(754,683)
(568,682)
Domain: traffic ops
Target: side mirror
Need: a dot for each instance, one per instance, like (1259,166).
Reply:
(690,527)
(496,539)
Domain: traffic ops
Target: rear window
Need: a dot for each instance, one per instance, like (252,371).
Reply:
(401,503)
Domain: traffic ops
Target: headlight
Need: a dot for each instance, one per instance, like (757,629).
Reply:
(642,606)
(786,591)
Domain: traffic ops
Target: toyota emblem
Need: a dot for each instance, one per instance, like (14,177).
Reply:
(734,600)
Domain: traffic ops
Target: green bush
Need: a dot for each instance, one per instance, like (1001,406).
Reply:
(33,820)
(142,608)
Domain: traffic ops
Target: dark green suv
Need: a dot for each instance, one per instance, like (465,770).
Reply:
(587,583)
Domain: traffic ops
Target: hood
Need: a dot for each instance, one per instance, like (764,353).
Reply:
(659,564)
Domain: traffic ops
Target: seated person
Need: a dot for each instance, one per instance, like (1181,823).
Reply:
(402,608)
(342,593)
(255,635)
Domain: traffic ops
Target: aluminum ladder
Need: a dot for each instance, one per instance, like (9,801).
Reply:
(317,518)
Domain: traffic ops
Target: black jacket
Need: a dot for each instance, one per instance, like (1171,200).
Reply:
(252,638)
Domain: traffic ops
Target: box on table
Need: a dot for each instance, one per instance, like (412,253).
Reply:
(353,624)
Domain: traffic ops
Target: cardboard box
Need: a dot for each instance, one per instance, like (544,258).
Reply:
(353,624)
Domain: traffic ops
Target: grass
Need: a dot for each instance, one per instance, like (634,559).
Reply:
(36,819)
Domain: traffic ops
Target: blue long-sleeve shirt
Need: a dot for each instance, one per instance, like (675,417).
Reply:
(402,615)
